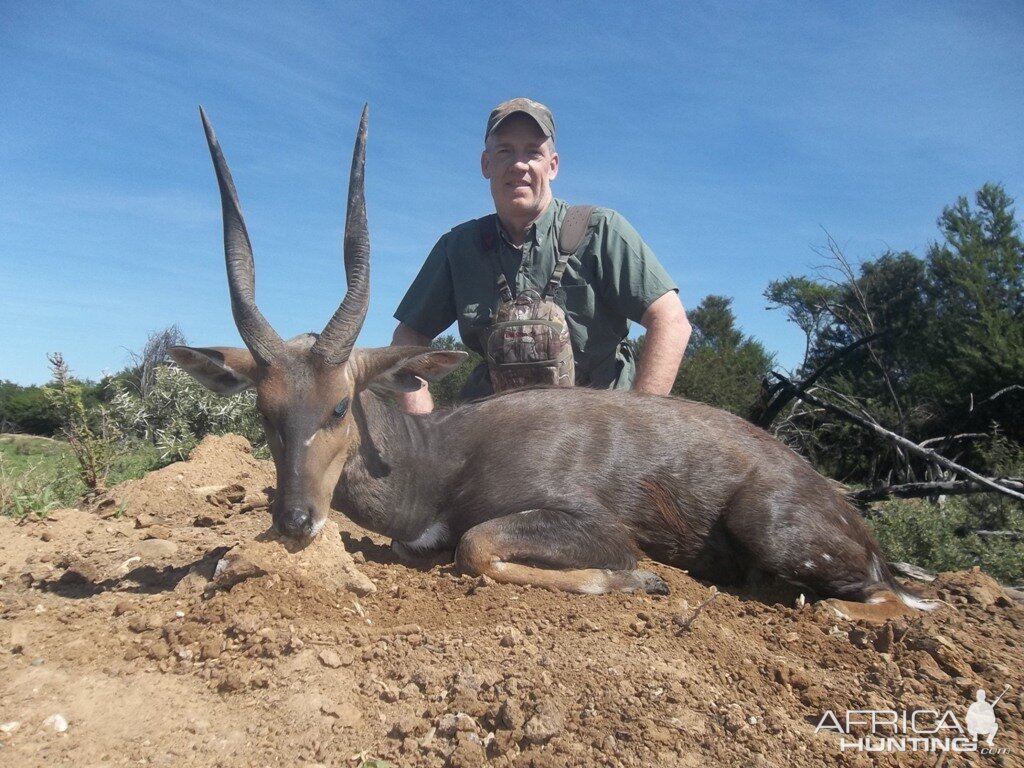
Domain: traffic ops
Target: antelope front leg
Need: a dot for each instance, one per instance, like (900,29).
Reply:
(556,550)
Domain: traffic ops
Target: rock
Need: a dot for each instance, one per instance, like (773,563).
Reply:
(153,550)
(18,639)
(157,532)
(234,568)
(57,722)
(323,562)
(884,639)
(511,716)
(79,571)
(407,726)
(146,520)
(346,715)
(467,754)
(210,649)
(546,723)
(9,727)
(334,659)
(450,724)
(231,681)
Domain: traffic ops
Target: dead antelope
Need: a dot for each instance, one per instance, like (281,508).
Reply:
(608,476)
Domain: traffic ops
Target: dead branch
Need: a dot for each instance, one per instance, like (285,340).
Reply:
(781,394)
(996,396)
(934,488)
(909,446)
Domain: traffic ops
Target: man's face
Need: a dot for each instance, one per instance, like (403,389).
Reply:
(520,162)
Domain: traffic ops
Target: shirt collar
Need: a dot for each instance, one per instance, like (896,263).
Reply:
(539,229)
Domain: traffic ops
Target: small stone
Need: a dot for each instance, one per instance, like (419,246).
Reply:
(156,549)
(157,532)
(330,658)
(122,607)
(511,716)
(546,723)
(10,727)
(232,681)
(47,536)
(58,722)
(210,649)
(38,662)
(347,715)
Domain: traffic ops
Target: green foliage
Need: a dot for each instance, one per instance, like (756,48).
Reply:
(36,475)
(976,280)
(25,409)
(722,367)
(177,412)
(87,433)
(952,337)
(446,391)
(945,538)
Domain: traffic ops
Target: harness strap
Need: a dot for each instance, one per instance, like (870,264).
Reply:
(570,237)
(488,226)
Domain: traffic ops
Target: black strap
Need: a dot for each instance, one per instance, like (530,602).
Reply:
(574,228)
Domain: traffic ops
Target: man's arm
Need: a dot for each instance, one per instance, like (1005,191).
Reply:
(419,401)
(668,332)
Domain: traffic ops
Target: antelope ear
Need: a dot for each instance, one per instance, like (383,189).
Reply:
(399,369)
(225,370)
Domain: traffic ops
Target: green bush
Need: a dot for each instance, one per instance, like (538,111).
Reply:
(177,412)
(945,537)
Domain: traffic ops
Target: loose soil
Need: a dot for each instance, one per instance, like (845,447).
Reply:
(166,627)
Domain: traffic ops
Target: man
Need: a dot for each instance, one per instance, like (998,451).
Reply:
(613,277)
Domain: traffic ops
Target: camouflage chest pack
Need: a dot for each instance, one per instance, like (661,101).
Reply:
(528,343)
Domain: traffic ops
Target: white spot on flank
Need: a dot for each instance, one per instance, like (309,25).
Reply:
(311,439)
(827,558)
(808,564)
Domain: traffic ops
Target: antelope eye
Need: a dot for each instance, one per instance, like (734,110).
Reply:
(341,408)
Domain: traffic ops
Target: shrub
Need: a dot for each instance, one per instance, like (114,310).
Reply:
(177,412)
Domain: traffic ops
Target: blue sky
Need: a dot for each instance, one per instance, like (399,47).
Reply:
(732,135)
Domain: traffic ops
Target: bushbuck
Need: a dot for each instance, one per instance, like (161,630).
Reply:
(560,488)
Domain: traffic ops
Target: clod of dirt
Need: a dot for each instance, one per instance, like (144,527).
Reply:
(547,722)
(323,562)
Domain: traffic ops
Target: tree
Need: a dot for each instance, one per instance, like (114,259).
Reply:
(976,280)
(26,409)
(154,354)
(722,367)
(445,391)
(947,333)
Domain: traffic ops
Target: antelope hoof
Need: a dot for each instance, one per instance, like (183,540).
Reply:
(652,583)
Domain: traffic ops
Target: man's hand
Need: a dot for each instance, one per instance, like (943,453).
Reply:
(420,401)
(668,332)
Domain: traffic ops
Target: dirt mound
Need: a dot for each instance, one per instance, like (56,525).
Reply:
(164,626)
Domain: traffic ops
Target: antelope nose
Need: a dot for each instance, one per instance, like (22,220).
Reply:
(296,522)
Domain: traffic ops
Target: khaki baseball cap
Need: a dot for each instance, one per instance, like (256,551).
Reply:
(540,114)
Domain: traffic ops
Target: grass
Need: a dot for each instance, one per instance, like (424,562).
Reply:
(33,475)
(38,474)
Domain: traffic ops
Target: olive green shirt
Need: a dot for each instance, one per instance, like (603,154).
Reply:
(611,279)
